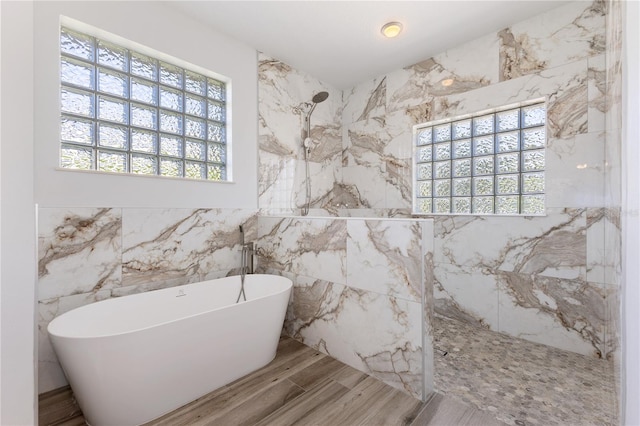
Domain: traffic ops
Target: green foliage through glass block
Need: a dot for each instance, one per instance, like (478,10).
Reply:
(443,188)
(216,153)
(462,148)
(143,164)
(482,205)
(115,162)
(76,158)
(533,204)
(443,205)
(443,169)
(507,204)
(216,172)
(462,205)
(171,167)
(425,205)
(424,189)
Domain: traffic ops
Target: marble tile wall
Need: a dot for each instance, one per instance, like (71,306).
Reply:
(90,254)
(546,279)
(285,96)
(358,292)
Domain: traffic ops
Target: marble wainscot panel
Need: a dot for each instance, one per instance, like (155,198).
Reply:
(527,279)
(377,334)
(553,245)
(50,374)
(182,245)
(384,256)
(373,319)
(285,99)
(304,246)
(563,313)
(79,262)
(84,251)
(79,251)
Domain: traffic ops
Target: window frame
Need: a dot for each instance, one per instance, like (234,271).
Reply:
(207,168)
(425,162)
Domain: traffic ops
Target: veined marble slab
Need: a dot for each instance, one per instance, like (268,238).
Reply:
(575,171)
(467,295)
(563,87)
(79,251)
(385,257)
(603,245)
(165,244)
(340,321)
(285,99)
(552,245)
(569,33)
(471,65)
(365,101)
(566,314)
(304,246)
(50,374)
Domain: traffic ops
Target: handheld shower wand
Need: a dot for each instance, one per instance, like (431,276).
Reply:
(317,98)
(306,146)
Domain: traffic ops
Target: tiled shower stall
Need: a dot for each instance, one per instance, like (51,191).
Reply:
(550,279)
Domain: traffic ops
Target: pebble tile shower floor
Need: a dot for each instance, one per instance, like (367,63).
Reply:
(520,382)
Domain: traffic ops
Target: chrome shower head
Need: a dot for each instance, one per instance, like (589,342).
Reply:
(317,98)
(320,97)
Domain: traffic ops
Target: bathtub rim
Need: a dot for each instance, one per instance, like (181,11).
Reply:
(58,335)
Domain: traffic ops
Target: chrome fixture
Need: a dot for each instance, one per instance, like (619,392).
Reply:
(246,267)
(317,98)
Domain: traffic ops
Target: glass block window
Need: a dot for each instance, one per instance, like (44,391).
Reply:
(489,163)
(126,112)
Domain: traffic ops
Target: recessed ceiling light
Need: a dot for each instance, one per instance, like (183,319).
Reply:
(391,29)
(447,82)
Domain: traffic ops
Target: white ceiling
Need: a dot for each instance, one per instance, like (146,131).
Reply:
(339,42)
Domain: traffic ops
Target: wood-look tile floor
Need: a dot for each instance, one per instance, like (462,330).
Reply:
(300,386)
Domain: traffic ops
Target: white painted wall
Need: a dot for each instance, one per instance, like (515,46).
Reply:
(156,26)
(17,218)
(631,215)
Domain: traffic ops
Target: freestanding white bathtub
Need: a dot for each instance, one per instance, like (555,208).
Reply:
(132,359)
